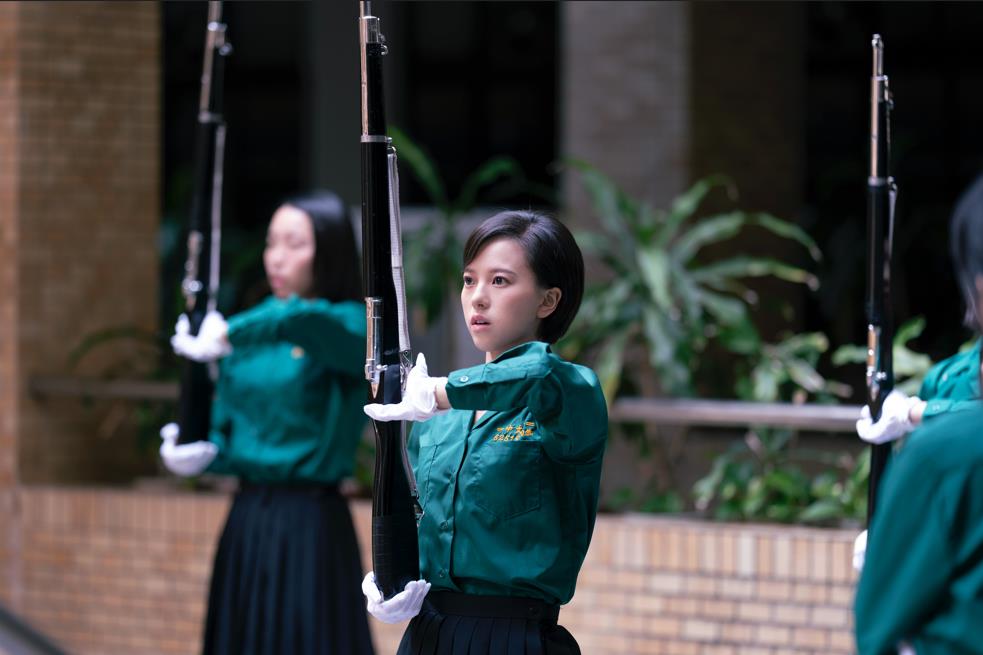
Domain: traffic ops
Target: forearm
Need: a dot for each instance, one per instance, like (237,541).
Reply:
(440,392)
(916,412)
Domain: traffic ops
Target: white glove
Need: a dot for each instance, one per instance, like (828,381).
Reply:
(895,419)
(404,605)
(209,344)
(859,551)
(419,400)
(185,459)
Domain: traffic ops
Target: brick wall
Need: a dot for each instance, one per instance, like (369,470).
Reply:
(663,585)
(115,572)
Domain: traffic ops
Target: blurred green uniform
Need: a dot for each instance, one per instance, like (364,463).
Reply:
(952,384)
(288,403)
(922,581)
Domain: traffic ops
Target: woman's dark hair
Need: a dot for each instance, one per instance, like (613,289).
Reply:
(966,246)
(337,270)
(552,254)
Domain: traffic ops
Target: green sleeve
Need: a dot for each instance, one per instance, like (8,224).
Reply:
(947,405)
(332,333)
(565,399)
(221,430)
(413,443)
(930,385)
(909,556)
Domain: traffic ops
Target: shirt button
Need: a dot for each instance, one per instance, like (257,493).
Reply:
(463,378)
(441,573)
(443,525)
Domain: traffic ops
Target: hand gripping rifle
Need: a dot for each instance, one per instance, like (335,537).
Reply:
(881,195)
(201,270)
(395,554)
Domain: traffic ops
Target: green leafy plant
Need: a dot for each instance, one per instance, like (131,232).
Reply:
(138,354)
(840,497)
(765,476)
(433,253)
(131,352)
(647,500)
(910,367)
(665,304)
(663,298)
(786,371)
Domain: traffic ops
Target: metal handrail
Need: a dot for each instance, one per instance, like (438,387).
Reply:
(19,638)
(82,387)
(666,411)
(734,413)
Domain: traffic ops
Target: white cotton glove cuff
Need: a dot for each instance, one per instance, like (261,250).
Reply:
(895,421)
(419,401)
(185,459)
(208,345)
(404,605)
(859,551)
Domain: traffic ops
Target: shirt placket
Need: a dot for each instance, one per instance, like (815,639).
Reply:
(445,526)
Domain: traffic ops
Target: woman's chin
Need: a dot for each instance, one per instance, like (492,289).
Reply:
(483,342)
(478,342)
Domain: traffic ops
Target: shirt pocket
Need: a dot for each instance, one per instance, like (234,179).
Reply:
(424,467)
(508,477)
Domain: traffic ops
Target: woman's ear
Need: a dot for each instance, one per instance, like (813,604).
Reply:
(551,300)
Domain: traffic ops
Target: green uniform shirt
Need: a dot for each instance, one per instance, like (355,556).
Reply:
(510,500)
(922,581)
(952,384)
(288,403)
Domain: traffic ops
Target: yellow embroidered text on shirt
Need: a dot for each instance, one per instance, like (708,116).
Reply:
(514,432)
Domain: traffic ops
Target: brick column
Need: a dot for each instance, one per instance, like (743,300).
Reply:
(8,300)
(88,213)
(79,208)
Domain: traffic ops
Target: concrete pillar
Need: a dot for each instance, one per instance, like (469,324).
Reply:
(625,96)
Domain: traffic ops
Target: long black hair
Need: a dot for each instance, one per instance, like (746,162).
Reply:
(966,246)
(337,269)
(552,254)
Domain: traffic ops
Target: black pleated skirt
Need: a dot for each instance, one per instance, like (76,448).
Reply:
(287,576)
(461,624)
